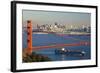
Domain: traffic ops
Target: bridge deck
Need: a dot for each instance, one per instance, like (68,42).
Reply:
(60,45)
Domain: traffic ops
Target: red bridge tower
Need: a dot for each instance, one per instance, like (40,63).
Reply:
(29,36)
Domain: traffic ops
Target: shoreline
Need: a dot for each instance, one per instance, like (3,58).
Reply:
(62,34)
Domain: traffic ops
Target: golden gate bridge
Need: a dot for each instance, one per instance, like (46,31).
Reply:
(31,48)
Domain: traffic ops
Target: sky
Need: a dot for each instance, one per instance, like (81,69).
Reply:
(75,19)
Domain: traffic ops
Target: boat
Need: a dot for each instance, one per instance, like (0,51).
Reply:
(70,52)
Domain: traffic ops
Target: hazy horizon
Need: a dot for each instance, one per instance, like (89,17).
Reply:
(50,17)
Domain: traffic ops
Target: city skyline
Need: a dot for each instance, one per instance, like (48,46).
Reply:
(68,19)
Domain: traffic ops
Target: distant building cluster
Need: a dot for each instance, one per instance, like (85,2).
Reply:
(52,28)
(62,28)
(84,29)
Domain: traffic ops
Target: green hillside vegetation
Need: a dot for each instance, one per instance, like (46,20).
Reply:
(35,58)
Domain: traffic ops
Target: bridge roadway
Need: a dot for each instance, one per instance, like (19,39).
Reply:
(61,45)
